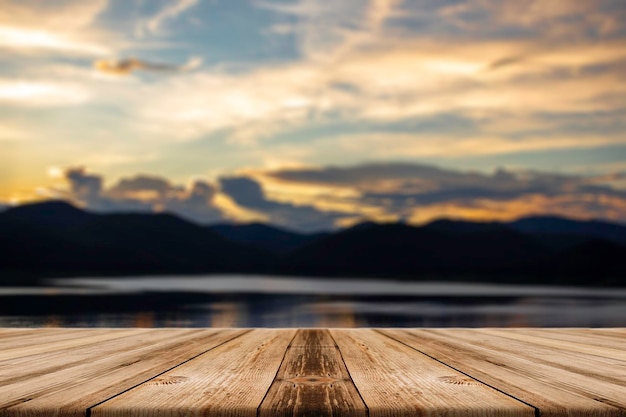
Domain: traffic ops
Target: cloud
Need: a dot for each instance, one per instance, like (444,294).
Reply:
(198,204)
(235,199)
(324,198)
(495,141)
(169,12)
(249,194)
(328,30)
(126,66)
(42,93)
(552,18)
(86,187)
(380,75)
(62,27)
(65,15)
(34,39)
(396,81)
(143,187)
(416,192)
(142,193)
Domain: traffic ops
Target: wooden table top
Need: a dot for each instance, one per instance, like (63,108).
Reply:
(313,372)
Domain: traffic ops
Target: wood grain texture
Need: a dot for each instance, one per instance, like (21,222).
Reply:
(312,381)
(230,380)
(105,372)
(594,375)
(313,372)
(42,345)
(571,346)
(396,380)
(38,365)
(548,387)
(600,368)
(579,336)
(16,337)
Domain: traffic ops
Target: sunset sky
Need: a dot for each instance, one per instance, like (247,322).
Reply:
(316,114)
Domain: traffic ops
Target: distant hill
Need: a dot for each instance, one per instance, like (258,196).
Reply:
(264,236)
(57,239)
(559,226)
(50,215)
(463,251)
(595,261)
(401,250)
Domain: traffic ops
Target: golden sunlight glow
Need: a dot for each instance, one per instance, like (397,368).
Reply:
(290,190)
(236,212)
(16,38)
(56,172)
(454,67)
(24,91)
(573,206)
(15,198)
(41,93)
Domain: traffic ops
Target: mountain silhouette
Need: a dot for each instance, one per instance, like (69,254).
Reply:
(35,240)
(402,250)
(594,261)
(58,239)
(264,236)
(552,226)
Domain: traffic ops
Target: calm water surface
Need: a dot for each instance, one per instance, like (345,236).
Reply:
(261,301)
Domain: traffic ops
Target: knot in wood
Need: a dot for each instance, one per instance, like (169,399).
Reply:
(457,380)
(313,379)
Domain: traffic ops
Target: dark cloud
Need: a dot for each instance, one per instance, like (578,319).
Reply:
(555,18)
(433,185)
(392,179)
(127,66)
(401,188)
(504,62)
(363,174)
(86,187)
(198,204)
(143,193)
(413,192)
(142,184)
(500,186)
(248,193)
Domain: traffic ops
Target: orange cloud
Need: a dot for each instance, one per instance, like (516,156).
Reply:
(127,66)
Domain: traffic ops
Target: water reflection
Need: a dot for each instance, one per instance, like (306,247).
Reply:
(440,305)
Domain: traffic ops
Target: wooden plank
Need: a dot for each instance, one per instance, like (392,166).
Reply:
(553,391)
(230,380)
(9,332)
(607,352)
(580,336)
(11,339)
(70,391)
(312,381)
(615,330)
(599,368)
(396,380)
(85,338)
(43,364)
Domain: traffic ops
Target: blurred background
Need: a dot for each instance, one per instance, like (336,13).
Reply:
(279,163)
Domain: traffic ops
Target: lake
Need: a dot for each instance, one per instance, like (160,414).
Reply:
(264,301)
